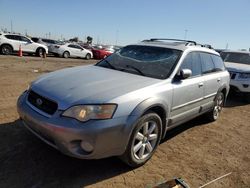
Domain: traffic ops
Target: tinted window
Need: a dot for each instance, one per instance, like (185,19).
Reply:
(71,46)
(12,37)
(218,63)
(49,41)
(35,39)
(192,62)
(74,46)
(151,61)
(24,39)
(243,58)
(207,63)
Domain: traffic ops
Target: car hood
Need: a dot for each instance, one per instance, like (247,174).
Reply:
(88,85)
(237,67)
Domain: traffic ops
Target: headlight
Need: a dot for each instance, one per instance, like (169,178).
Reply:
(87,112)
(244,75)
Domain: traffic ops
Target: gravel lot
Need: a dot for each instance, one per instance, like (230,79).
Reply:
(197,151)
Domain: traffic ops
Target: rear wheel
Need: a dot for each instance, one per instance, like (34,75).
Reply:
(218,105)
(6,49)
(88,56)
(144,140)
(66,54)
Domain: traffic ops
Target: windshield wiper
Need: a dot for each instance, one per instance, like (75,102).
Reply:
(136,69)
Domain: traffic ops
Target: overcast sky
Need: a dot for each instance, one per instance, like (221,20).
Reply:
(216,22)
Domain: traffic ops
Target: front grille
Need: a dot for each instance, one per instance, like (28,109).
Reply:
(232,75)
(42,103)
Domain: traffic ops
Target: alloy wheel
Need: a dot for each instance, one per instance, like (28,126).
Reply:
(218,106)
(145,140)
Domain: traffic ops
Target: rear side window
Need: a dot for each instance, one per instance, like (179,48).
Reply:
(192,62)
(207,63)
(35,39)
(12,37)
(218,63)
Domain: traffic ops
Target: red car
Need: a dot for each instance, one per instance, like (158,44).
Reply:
(101,53)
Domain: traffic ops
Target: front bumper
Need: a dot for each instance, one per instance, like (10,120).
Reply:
(240,85)
(102,138)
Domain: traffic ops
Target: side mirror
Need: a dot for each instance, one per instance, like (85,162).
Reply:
(185,73)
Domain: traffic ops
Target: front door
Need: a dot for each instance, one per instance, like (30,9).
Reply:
(188,93)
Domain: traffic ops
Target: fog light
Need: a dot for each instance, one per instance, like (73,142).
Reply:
(86,146)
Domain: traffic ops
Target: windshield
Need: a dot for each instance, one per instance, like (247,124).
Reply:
(243,58)
(155,62)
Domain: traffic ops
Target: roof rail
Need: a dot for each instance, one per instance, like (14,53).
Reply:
(207,46)
(178,40)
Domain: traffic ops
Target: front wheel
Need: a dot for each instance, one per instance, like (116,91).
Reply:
(88,56)
(66,54)
(218,105)
(144,140)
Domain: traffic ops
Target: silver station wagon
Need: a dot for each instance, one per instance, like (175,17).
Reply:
(125,104)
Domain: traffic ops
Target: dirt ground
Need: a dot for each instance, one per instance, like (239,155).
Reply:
(197,151)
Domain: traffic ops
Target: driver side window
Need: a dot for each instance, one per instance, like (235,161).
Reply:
(192,61)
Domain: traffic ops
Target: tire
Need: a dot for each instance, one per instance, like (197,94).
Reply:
(88,56)
(40,52)
(66,55)
(6,49)
(218,105)
(143,141)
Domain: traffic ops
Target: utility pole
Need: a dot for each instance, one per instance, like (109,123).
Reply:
(185,34)
(116,37)
(11,26)
(227,46)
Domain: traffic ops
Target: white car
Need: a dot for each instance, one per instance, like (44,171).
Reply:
(71,50)
(10,43)
(238,65)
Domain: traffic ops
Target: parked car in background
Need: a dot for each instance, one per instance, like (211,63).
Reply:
(238,65)
(100,53)
(46,42)
(10,43)
(71,50)
(124,105)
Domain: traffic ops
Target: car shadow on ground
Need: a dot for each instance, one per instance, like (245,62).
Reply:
(237,99)
(25,161)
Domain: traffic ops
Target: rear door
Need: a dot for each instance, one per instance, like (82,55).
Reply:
(27,44)
(212,79)
(14,41)
(73,50)
(188,93)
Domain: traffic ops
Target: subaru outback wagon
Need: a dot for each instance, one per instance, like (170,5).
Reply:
(124,105)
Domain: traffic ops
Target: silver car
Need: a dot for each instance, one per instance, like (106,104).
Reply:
(124,105)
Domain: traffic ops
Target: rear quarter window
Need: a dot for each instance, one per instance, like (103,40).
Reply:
(218,63)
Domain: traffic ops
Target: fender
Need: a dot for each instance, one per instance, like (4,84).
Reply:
(142,108)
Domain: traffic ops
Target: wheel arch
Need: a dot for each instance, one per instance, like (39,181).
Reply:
(65,52)
(155,105)
(225,90)
(40,47)
(8,45)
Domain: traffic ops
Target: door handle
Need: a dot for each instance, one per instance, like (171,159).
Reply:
(201,84)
